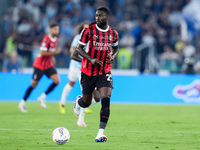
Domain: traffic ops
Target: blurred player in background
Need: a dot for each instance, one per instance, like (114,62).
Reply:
(96,66)
(44,64)
(74,74)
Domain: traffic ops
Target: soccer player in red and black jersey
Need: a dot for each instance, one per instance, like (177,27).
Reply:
(44,64)
(102,48)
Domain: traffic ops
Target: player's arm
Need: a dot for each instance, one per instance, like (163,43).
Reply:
(80,51)
(74,55)
(111,57)
(48,53)
(72,48)
(115,49)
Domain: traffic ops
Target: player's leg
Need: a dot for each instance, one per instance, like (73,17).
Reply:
(96,97)
(104,85)
(83,102)
(64,95)
(105,93)
(73,76)
(88,85)
(37,74)
(52,74)
(82,112)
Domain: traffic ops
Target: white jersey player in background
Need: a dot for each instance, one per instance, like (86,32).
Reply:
(74,74)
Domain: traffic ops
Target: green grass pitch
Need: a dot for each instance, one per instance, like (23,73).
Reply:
(130,127)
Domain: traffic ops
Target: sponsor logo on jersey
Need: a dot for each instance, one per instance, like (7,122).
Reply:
(101,46)
(188,93)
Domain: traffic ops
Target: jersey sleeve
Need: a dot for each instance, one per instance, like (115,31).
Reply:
(85,37)
(45,44)
(75,40)
(116,39)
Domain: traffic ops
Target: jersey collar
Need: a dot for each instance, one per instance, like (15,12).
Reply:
(52,39)
(102,30)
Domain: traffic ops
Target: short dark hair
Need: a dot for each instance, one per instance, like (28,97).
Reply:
(53,25)
(104,9)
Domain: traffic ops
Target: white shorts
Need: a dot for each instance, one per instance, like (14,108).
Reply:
(74,74)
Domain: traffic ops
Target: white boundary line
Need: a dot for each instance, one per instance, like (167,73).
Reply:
(193,132)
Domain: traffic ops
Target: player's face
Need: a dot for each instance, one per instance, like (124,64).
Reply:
(55,31)
(101,18)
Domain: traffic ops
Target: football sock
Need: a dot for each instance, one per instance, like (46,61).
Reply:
(51,87)
(22,102)
(105,112)
(28,92)
(43,95)
(100,133)
(93,101)
(82,103)
(65,93)
(81,115)
(102,125)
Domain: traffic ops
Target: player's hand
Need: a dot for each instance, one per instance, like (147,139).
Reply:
(58,51)
(110,59)
(96,62)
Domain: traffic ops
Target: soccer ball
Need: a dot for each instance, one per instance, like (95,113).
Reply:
(60,135)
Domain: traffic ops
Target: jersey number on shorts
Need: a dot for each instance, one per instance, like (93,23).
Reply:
(109,77)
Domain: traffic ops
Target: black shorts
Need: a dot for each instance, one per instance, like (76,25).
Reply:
(37,74)
(88,83)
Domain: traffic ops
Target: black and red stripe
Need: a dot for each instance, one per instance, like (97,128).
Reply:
(101,49)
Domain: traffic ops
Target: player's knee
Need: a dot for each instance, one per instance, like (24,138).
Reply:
(71,83)
(105,95)
(97,98)
(57,81)
(33,85)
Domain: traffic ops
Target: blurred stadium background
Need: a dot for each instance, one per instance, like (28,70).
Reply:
(155,36)
(158,63)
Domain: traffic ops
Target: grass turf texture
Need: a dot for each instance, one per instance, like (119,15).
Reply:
(138,127)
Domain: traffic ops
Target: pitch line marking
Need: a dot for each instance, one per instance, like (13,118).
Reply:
(6,129)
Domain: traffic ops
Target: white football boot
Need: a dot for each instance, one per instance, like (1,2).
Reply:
(22,106)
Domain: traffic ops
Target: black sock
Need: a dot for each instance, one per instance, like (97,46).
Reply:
(28,92)
(105,112)
(82,103)
(51,87)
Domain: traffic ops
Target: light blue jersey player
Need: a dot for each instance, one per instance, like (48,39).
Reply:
(74,67)
(74,74)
